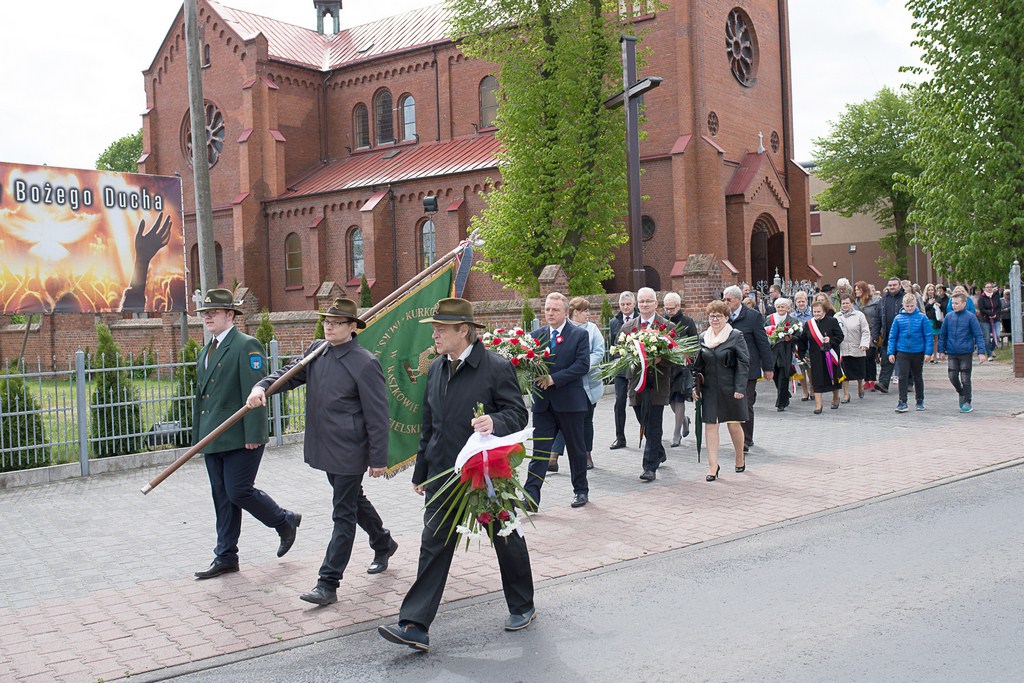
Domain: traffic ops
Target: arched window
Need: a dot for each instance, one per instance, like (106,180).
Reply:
(355,253)
(292,261)
(428,243)
(218,255)
(206,55)
(488,101)
(361,125)
(407,110)
(383,117)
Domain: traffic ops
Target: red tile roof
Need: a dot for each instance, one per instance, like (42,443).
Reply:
(425,160)
(303,46)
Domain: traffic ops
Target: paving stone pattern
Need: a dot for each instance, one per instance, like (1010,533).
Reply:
(97,578)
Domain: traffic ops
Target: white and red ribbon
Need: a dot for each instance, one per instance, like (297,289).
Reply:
(641,353)
(831,357)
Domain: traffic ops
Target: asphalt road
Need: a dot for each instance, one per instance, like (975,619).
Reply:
(920,587)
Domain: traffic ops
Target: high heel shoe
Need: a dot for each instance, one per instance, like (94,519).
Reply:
(741,468)
(817,411)
(712,477)
(835,406)
(845,400)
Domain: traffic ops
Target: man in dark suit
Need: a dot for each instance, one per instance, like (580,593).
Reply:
(227,369)
(463,375)
(649,404)
(751,324)
(627,304)
(346,435)
(561,404)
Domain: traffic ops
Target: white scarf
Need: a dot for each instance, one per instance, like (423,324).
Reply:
(711,340)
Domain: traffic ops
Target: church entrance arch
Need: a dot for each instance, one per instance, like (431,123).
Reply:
(767,252)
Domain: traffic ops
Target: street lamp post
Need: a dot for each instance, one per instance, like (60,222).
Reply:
(853,255)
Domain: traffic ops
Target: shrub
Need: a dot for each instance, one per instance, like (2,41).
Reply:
(265,332)
(365,295)
(606,311)
(21,436)
(528,315)
(138,362)
(319,332)
(180,410)
(115,422)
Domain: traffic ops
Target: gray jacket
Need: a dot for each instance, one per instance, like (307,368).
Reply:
(346,409)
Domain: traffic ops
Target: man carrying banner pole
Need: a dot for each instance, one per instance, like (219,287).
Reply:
(346,433)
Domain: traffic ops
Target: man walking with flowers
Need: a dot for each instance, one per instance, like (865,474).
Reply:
(562,403)
(464,375)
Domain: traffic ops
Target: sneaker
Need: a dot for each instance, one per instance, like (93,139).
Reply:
(966,408)
(901,407)
(920,406)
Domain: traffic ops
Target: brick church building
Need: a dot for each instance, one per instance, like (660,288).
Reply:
(323,144)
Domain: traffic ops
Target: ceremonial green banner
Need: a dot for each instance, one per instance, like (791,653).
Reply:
(405,349)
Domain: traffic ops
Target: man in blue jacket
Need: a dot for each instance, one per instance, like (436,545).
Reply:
(960,335)
(911,343)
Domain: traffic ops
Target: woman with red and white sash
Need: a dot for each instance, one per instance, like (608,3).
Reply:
(819,344)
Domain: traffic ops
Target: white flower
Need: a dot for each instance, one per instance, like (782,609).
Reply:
(467,533)
(514,523)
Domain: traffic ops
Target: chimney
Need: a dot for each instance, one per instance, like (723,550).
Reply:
(324,8)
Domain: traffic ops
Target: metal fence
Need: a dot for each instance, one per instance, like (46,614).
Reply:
(100,407)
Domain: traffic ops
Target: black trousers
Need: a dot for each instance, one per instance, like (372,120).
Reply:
(424,597)
(910,365)
(546,424)
(368,519)
(748,426)
(959,368)
(782,376)
(347,488)
(870,369)
(621,394)
(885,374)
(654,449)
(232,482)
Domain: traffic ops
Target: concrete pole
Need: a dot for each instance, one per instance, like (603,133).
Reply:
(1015,304)
(632,106)
(200,149)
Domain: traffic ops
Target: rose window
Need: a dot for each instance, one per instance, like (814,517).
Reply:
(214,134)
(775,141)
(741,47)
(713,124)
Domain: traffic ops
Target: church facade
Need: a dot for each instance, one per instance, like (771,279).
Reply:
(323,145)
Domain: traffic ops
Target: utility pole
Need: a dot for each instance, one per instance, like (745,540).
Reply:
(632,91)
(200,150)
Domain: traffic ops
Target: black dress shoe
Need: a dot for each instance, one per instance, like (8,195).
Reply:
(517,622)
(288,535)
(216,569)
(380,560)
(579,500)
(553,465)
(406,634)
(741,468)
(320,595)
(686,427)
(618,443)
(781,409)
(648,475)
(746,449)
(712,477)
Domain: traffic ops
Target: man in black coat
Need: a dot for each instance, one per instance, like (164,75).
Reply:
(346,434)
(886,311)
(561,404)
(463,375)
(751,324)
(627,306)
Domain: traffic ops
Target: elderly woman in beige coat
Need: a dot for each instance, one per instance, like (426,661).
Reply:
(854,349)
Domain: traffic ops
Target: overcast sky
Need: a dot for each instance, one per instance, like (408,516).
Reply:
(73,69)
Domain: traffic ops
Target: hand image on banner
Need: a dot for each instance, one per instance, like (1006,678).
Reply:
(405,349)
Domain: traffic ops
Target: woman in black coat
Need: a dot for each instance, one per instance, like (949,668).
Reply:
(782,350)
(723,360)
(815,351)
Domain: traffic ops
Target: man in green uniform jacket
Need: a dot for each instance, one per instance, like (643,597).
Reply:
(227,369)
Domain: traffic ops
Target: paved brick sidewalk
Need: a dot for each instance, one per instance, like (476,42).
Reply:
(97,578)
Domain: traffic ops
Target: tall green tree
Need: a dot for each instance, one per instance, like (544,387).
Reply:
(865,160)
(115,418)
(122,155)
(562,196)
(970,121)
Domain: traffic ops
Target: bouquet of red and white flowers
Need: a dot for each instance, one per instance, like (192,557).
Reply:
(643,347)
(522,351)
(785,332)
(482,491)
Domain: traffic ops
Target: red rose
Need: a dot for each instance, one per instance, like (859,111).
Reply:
(514,361)
(662,328)
(485,518)
(495,341)
(672,333)
(530,354)
(558,339)
(513,341)
(547,353)
(504,516)
(500,330)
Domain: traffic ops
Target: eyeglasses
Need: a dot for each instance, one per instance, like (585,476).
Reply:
(335,323)
(715,317)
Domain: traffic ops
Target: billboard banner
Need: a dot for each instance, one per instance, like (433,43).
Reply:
(82,241)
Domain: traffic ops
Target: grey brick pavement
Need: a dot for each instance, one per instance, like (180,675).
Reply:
(97,577)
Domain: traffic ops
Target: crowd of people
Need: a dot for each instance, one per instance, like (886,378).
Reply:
(816,347)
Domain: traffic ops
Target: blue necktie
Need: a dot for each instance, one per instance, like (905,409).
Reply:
(553,340)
